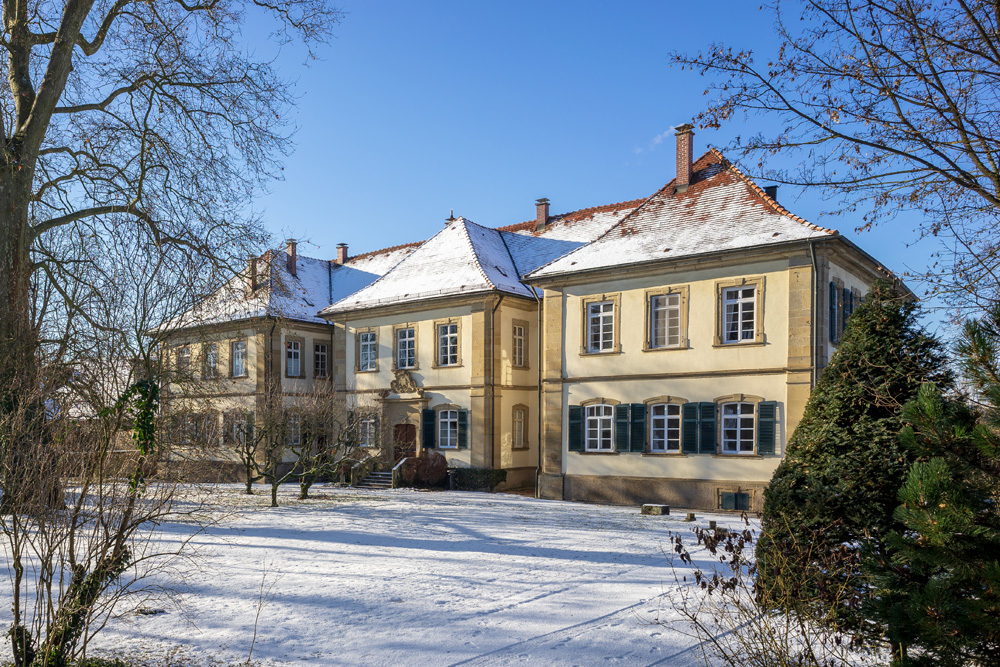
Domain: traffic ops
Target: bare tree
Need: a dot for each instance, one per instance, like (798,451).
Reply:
(306,438)
(147,115)
(887,106)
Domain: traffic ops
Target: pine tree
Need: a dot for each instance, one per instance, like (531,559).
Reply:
(844,464)
(937,578)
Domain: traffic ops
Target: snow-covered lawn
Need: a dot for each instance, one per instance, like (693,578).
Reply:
(418,578)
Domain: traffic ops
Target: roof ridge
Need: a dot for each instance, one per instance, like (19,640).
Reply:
(771,203)
(472,246)
(369,253)
(589,210)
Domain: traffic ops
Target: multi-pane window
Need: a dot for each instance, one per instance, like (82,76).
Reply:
(599,428)
(319,360)
(665,320)
(406,348)
(601,326)
(739,317)
(293,359)
(367,351)
(737,428)
(238,354)
(183,359)
(448,428)
(366,433)
(239,426)
(665,428)
(210,369)
(517,352)
(294,430)
(447,344)
(519,420)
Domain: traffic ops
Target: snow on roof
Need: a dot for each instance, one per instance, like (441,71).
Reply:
(462,258)
(722,209)
(316,284)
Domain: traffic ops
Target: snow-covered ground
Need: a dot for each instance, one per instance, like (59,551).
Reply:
(419,578)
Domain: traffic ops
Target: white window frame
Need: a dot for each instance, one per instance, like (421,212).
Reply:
(448,344)
(366,429)
(367,351)
(184,358)
(239,426)
(293,353)
(665,428)
(517,428)
(238,356)
(661,329)
(601,326)
(210,368)
(294,430)
(739,428)
(407,344)
(447,425)
(519,333)
(599,428)
(735,306)
(320,360)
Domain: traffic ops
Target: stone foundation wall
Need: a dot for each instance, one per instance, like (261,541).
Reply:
(678,493)
(518,479)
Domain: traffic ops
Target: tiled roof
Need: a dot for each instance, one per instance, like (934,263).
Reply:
(462,258)
(722,209)
(316,284)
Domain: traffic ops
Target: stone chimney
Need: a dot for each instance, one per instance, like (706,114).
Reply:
(341,253)
(252,273)
(541,213)
(290,250)
(685,144)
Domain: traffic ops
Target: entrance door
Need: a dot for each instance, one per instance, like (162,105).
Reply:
(404,440)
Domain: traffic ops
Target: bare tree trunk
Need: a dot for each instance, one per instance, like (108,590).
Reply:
(18,338)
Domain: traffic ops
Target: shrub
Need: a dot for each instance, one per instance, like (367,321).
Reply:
(427,470)
(476,479)
(844,463)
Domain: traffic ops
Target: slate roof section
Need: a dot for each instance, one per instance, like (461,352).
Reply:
(462,258)
(721,210)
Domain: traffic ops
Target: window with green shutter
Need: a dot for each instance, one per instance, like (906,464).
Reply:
(463,429)
(706,428)
(428,419)
(689,428)
(637,435)
(767,426)
(575,428)
(622,427)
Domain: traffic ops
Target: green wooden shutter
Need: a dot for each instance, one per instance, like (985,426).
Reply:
(463,429)
(637,438)
(428,419)
(622,427)
(833,312)
(706,428)
(689,428)
(767,426)
(575,428)
(848,306)
(741,501)
(227,428)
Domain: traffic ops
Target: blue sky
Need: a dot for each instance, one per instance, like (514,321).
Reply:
(416,109)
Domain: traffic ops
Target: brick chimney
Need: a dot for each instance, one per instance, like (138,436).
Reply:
(541,213)
(341,253)
(290,250)
(685,144)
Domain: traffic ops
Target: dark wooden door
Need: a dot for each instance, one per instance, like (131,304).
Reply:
(404,440)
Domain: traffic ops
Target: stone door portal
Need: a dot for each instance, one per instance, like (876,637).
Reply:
(404,441)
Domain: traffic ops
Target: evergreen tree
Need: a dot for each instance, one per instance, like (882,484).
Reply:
(937,578)
(844,464)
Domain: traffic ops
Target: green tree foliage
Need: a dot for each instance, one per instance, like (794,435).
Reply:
(937,578)
(844,463)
